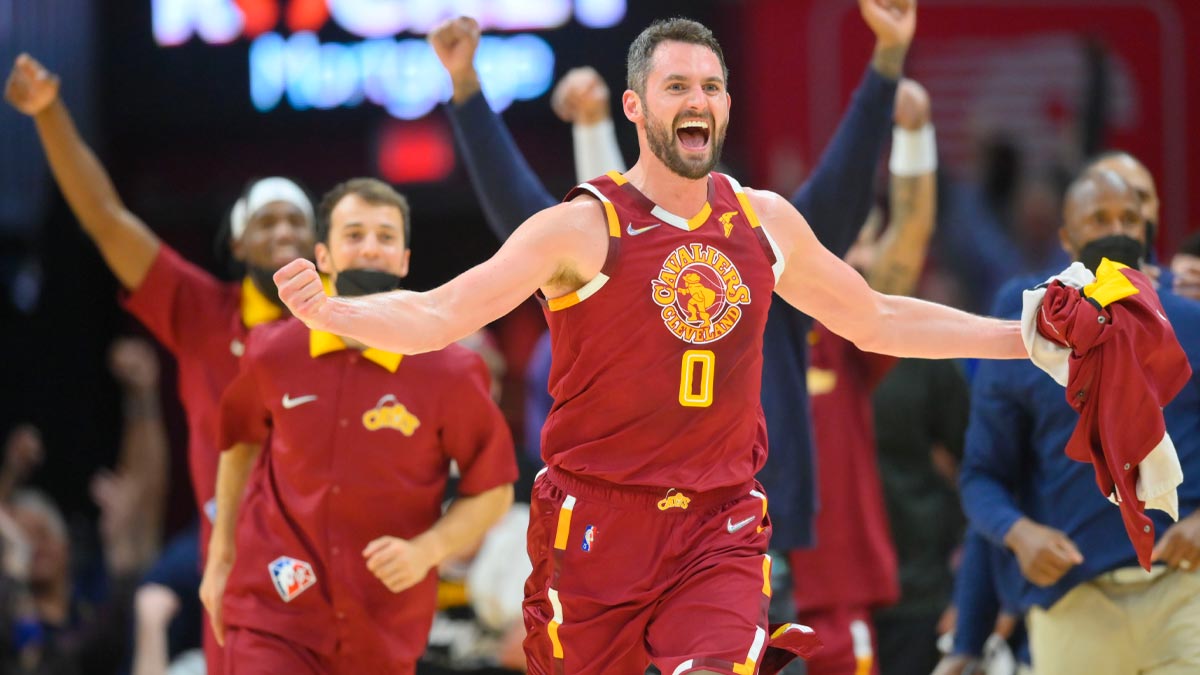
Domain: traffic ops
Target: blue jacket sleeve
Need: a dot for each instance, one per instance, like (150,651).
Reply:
(507,188)
(975,596)
(837,196)
(993,451)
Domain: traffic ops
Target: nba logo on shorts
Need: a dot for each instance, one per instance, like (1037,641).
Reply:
(589,538)
(292,577)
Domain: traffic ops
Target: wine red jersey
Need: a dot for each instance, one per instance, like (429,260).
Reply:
(657,361)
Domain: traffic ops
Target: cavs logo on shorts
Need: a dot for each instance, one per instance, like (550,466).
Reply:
(699,290)
(674,500)
(292,577)
(390,413)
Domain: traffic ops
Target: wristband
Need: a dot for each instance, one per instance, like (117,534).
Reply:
(914,153)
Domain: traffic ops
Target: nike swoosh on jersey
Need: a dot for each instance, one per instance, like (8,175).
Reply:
(633,233)
(289,403)
(732,527)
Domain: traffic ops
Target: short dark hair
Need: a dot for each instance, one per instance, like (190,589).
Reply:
(678,29)
(372,191)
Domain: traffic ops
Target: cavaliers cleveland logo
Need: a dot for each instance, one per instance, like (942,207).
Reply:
(699,290)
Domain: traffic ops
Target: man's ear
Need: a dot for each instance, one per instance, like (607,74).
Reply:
(631,104)
(324,258)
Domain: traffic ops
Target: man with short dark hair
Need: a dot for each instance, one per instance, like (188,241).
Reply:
(330,565)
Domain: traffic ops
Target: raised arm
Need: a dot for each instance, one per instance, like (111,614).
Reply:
(507,188)
(913,193)
(581,98)
(557,250)
(837,196)
(128,246)
(821,285)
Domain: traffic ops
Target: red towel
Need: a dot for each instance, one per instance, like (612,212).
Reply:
(1126,364)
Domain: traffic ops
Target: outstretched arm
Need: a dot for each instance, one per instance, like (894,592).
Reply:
(821,285)
(128,246)
(837,196)
(507,188)
(558,250)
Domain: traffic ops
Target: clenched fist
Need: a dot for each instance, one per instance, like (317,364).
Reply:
(30,87)
(455,41)
(398,563)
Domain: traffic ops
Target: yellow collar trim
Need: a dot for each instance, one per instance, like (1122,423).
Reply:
(321,343)
(256,308)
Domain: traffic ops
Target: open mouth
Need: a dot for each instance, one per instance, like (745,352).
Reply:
(693,134)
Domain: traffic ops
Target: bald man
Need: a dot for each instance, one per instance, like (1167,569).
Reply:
(1089,607)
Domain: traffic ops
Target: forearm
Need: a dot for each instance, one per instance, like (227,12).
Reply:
(988,504)
(908,327)
(233,472)
(145,454)
(596,149)
(127,245)
(465,522)
(906,241)
(837,197)
(507,188)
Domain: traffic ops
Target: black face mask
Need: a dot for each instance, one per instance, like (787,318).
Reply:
(1117,248)
(264,281)
(365,282)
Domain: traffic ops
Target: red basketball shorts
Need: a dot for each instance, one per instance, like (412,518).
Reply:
(623,577)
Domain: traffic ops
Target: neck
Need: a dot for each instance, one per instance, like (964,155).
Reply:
(679,195)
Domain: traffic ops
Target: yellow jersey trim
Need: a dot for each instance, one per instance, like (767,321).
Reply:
(1110,285)
(256,308)
(321,343)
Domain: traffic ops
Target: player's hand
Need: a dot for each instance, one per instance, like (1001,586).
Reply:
(155,605)
(581,97)
(301,290)
(399,563)
(455,41)
(212,589)
(1179,547)
(134,364)
(1044,553)
(892,21)
(912,105)
(1186,269)
(30,87)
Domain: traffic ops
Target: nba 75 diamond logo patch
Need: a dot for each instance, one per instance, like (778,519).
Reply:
(292,577)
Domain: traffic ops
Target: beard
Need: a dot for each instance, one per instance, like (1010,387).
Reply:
(662,143)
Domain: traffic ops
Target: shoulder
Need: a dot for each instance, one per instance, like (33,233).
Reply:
(276,338)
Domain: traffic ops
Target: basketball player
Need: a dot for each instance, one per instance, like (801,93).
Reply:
(330,566)
(657,431)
